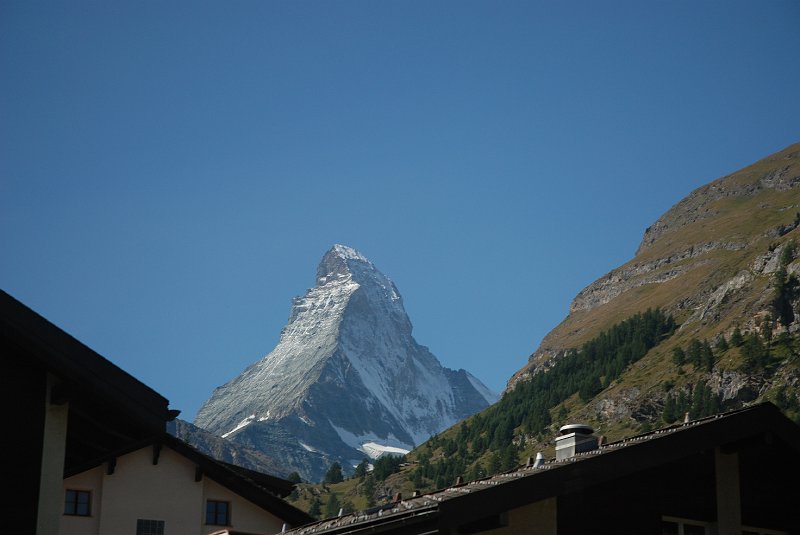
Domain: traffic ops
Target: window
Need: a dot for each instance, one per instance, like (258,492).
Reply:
(218,513)
(78,502)
(149,527)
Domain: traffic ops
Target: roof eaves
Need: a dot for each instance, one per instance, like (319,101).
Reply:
(247,483)
(76,363)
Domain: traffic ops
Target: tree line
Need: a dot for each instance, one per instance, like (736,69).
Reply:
(490,441)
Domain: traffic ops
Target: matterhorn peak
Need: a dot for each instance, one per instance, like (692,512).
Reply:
(348,253)
(347,379)
(341,261)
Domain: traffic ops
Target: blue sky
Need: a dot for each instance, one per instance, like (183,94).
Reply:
(171,173)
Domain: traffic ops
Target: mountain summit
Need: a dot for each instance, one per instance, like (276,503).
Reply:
(346,380)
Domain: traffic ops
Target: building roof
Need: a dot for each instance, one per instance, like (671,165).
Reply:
(112,413)
(108,407)
(263,490)
(528,484)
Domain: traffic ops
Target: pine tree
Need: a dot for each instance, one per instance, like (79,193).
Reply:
(589,388)
(668,415)
(494,463)
(736,338)
(333,506)
(678,356)
(681,405)
(334,474)
(754,353)
(785,287)
(315,509)
(713,403)
(694,353)
(509,458)
(561,416)
(766,329)
(368,490)
(347,507)
(787,255)
(696,409)
(361,469)
(416,479)
(707,360)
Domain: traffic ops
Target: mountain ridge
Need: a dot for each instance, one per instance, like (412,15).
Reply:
(709,240)
(346,377)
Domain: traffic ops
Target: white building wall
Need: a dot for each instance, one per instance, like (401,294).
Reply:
(139,489)
(166,491)
(91,480)
(245,515)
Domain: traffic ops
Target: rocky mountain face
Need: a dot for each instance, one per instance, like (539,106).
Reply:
(710,261)
(346,380)
(225,450)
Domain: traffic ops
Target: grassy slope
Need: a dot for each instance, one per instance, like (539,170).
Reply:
(741,219)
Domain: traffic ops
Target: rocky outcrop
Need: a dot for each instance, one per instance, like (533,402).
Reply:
(637,274)
(224,450)
(782,175)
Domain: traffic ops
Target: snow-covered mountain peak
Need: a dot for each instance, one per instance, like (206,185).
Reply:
(347,377)
(348,253)
(342,261)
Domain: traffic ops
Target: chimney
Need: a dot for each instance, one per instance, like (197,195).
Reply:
(574,439)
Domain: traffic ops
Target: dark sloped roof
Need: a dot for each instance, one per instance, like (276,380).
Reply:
(280,487)
(528,484)
(84,371)
(262,489)
(107,407)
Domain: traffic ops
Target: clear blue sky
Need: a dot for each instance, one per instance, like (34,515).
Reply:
(172,172)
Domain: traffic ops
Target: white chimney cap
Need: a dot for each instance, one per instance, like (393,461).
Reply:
(582,429)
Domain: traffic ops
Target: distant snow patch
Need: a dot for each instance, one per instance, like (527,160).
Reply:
(307,447)
(241,425)
(305,420)
(376,451)
(358,442)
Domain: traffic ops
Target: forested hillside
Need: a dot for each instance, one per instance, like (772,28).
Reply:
(704,318)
